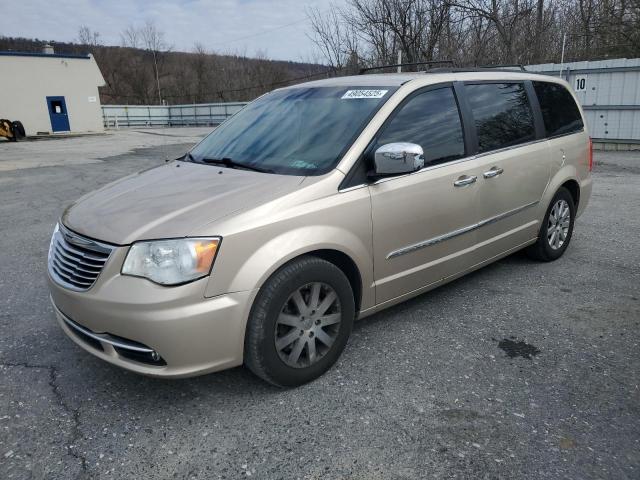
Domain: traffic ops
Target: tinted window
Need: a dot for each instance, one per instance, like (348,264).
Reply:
(559,111)
(431,120)
(502,114)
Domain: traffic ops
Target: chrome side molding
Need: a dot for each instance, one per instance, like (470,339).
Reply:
(105,337)
(455,233)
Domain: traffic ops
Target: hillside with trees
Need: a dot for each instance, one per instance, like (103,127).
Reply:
(144,69)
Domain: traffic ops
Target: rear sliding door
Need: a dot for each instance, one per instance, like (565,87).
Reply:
(515,161)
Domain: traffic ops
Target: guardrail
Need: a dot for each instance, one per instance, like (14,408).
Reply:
(205,114)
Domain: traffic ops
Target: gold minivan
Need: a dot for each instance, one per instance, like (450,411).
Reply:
(316,205)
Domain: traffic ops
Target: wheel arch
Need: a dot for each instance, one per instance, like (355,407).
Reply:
(574,189)
(346,264)
(352,255)
(339,258)
(566,177)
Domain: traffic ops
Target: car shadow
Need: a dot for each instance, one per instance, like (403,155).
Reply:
(469,280)
(238,383)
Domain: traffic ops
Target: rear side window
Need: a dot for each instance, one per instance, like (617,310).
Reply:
(502,114)
(431,120)
(559,110)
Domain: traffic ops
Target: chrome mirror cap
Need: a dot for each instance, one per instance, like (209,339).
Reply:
(401,157)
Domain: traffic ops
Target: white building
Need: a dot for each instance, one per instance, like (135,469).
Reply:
(51,93)
(609,91)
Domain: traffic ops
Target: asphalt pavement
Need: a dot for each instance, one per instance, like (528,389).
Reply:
(519,370)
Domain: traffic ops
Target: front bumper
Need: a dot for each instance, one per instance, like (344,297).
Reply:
(191,334)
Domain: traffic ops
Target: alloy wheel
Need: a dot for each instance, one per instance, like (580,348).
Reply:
(308,325)
(558,224)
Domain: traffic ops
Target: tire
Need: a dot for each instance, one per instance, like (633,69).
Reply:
(549,247)
(18,129)
(277,316)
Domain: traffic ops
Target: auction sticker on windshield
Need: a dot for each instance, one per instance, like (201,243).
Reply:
(352,94)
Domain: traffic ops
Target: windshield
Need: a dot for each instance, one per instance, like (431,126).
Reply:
(297,131)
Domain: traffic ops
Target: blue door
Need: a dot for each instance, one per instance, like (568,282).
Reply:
(58,114)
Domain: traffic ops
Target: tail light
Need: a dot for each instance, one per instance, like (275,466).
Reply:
(590,154)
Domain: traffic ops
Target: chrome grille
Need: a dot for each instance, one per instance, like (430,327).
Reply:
(76,261)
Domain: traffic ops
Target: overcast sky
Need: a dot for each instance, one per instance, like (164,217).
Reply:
(277,27)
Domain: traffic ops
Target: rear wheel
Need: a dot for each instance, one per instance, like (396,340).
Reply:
(300,322)
(556,229)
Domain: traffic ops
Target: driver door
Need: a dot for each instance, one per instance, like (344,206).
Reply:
(422,222)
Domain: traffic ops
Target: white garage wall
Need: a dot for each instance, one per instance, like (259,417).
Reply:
(27,79)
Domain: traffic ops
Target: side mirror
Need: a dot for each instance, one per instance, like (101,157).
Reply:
(397,158)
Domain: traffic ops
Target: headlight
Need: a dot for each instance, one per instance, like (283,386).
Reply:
(171,262)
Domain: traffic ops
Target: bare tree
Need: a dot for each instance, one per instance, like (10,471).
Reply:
(130,37)
(200,66)
(138,78)
(467,31)
(586,9)
(363,33)
(153,41)
(413,28)
(629,18)
(506,16)
(88,37)
(334,36)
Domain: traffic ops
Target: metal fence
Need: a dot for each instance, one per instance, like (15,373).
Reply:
(205,114)
(609,91)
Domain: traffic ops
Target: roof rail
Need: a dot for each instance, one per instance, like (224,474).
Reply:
(395,65)
(519,66)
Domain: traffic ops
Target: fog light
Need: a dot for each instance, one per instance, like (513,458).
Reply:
(155,356)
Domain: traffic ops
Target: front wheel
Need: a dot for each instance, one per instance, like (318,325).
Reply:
(556,229)
(300,322)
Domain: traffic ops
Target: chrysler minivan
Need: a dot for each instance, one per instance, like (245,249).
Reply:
(316,205)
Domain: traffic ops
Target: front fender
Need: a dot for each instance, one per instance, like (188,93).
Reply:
(256,244)
(279,250)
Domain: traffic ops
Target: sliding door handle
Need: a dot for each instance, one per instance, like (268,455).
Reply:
(493,172)
(465,180)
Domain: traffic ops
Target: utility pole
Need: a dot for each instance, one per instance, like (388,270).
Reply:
(399,61)
(155,67)
(564,41)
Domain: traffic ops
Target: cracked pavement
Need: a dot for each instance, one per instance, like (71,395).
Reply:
(519,370)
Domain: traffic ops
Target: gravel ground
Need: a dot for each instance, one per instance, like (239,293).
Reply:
(519,370)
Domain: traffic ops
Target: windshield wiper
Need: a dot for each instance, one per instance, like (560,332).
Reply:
(229,163)
(187,157)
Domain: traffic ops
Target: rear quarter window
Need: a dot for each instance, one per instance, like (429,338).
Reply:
(502,114)
(559,110)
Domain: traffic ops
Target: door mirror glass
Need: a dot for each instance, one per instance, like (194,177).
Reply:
(397,158)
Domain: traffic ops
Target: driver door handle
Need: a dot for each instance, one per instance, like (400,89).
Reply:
(493,172)
(465,180)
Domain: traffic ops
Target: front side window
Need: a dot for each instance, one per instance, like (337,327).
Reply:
(502,114)
(559,110)
(431,120)
(294,131)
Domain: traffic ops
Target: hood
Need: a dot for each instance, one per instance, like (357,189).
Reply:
(171,201)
